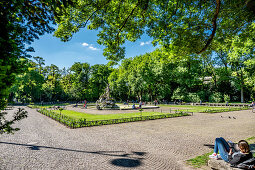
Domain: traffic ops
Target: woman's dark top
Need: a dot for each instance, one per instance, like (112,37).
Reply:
(238,157)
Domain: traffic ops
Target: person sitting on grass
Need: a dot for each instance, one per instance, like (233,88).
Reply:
(229,153)
(133,107)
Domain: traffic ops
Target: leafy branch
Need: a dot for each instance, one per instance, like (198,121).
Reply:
(214,27)
(5,125)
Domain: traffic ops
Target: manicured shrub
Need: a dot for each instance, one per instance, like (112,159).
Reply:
(215,97)
(178,94)
(226,98)
(73,123)
(193,97)
(224,110)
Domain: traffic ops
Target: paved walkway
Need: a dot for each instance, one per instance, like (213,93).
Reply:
(43,143)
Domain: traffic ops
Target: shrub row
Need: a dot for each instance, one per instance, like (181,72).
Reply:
(224,110)
(73,123)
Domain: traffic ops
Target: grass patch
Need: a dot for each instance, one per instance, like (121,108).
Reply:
(251,139)
(93,117)
(74,119)
(46,106)
(199,161)
(204,109)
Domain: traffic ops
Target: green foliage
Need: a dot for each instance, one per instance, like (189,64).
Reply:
(60,109)
(75,119)
(178,94)
(98,79)
(220,110)
(215,97)
(222,33)
(5,124)
(204,109)
(226,98)
(251,139)
(185,27)
(45,106)
(193,97)
(28,86)
(21,22)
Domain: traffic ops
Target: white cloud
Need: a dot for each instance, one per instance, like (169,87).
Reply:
(85,44)
(145,43)
(90,46)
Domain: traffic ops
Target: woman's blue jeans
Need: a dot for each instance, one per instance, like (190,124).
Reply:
(222,147)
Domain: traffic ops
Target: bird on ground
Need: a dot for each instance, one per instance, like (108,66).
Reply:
(229,117)
(234,118)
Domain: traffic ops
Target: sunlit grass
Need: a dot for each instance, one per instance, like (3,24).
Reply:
(191,108)
(91,117)
(45,106)
(199,161)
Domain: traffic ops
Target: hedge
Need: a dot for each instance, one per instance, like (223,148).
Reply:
(73,123)
(224,110)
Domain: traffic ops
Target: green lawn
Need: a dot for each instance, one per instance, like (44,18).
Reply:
(199,161)
(90,117)
(45,106)
(190,108)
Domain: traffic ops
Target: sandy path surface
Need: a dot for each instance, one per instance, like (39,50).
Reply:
(43,143)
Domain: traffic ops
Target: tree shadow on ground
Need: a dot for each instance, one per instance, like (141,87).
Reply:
(132,159)
(128,163)
(209,146)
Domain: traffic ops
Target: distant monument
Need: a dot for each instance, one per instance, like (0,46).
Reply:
(105,101)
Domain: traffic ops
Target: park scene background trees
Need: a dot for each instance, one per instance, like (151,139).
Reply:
(205,50)
(220,77)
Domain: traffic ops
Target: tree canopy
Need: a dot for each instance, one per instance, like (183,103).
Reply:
(184,27)
(21,22)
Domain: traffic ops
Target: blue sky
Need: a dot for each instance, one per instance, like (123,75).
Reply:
(82,48)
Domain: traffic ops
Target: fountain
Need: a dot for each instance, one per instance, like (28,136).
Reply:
(105,101)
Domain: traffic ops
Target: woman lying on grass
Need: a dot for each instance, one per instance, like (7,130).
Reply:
(230,154)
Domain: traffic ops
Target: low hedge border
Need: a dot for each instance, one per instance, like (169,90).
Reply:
(224,110)
(72,123)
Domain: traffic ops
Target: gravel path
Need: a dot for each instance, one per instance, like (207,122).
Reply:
(43,143)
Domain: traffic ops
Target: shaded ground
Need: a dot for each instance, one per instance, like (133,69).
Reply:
(43,143)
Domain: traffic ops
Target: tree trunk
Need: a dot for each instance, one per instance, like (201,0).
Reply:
(242,98)
(242,86)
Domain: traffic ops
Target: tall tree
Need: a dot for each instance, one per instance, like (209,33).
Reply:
(185,27)
(80,85)
(21,22)
(40,62)
(98,79)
